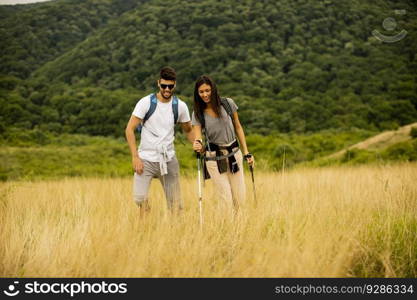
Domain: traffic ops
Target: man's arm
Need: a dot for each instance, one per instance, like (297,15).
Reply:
(188,131)
(133,123)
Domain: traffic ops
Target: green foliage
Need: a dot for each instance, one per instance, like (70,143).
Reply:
(291,66)
(36,155)
(40,154)
(356,156)
(413,132)
(29,154)
(287,150)
(405,151)
(33,35)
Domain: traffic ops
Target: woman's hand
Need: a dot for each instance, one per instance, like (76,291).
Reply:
(198,146)
(250,159)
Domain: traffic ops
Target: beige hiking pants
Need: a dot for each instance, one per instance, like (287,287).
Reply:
(230,187)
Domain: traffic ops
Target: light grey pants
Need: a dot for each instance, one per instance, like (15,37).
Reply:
(170,182)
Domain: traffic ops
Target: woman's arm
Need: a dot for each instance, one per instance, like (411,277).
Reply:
(241,136)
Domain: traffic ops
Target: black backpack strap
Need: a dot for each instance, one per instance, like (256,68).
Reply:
(229,111)
(227,107)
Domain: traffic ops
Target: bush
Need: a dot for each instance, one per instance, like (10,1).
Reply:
(405,151)
(413,132)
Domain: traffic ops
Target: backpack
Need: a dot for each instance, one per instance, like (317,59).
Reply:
(152,108)
(227,107)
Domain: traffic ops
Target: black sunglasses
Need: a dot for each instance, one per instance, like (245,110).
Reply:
(164,86)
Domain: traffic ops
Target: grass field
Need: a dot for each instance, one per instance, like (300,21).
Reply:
(328,222)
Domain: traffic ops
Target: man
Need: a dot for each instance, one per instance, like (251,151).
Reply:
(155,157)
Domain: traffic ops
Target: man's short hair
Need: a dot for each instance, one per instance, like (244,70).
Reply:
(168,73)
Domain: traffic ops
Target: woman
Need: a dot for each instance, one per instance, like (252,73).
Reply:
(218,121)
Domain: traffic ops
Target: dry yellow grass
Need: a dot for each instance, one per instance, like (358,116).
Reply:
(332,222)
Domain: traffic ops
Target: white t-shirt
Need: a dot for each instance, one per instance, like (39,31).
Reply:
(159,128)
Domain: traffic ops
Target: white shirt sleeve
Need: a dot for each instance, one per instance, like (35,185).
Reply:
(183,113)
(142,107)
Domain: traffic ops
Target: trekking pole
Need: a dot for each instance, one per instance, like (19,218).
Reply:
(253,177)
(199,189)
(253,183)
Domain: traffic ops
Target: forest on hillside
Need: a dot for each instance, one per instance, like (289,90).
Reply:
(72,66)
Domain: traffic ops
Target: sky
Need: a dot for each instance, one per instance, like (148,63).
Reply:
(3,2)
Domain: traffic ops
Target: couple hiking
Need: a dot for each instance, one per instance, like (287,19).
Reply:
(216,118)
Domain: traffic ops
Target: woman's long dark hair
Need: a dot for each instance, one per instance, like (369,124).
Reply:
(199,104)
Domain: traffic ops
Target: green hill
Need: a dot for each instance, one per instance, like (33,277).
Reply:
(291,66)
(34,34)
(392,145)
(34,154)
(382,141)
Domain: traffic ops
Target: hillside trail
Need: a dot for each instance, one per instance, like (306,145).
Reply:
(381,140)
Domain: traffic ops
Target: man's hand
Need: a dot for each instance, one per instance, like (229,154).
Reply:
(188,130)
(137,165)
